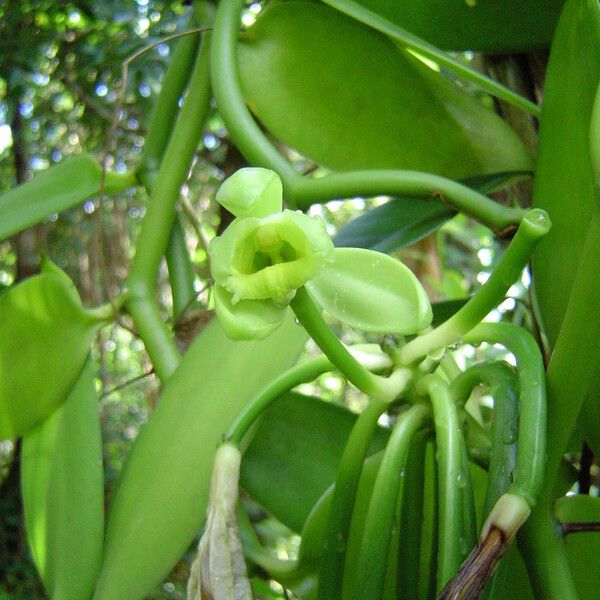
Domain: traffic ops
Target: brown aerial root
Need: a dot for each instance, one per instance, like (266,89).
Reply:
(472,576)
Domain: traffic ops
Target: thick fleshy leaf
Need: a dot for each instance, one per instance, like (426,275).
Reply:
(301,439)
(247,319)
(60,187)
(312,91)
(160,501)
(252,192)
(372,292)
(63,493)
(483,26)
(45,336)
(564,183)
(405,220)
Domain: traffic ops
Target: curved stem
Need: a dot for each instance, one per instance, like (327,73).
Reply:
(411,519)
(413,42)
(534,225)
(311,319)
(331,571)
(156,226)
(394,182)
(244,131)
(448,439)
(306,371)
(531,449)
(372,559)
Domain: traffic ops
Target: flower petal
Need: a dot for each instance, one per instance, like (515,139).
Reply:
(247,319)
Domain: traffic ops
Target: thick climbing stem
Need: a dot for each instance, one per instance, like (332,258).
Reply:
(531,450)
(160,214)
(331,571)
(181,270)
(244,131)
(410,509)
(394,182)
(534,225)
(448,436)
(372,559)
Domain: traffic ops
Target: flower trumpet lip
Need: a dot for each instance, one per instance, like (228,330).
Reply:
(259,263)
(219,570)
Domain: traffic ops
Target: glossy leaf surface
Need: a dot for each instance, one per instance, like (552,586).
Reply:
(390,110)
(168,470)
(63,493)
(305,464)
(405,220)
(372,292)
(563,183)
(60,187)
(46,332)
(484,26)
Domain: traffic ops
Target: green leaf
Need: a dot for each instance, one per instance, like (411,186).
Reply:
(61,187)
(311,91)
(301,439)
(398,223)
(160,501)
(372,292)
(252,192)
(442,311)
(479,25)
(405,220)
(583,549)
(62,485)
(564,184)
(45,336)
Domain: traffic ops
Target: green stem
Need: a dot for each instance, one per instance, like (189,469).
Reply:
(413,42)
(395,182)
(306,371)
(115,183)
(276,567)
(162,120)
(181,270)
(372,559)
(502,460)
(411,518)
(242,128)
(156,226)
(541,542)
(331,570)
(372,385)
(449,457)
(531,449)
(534,225)
(469,518)
(166,107)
